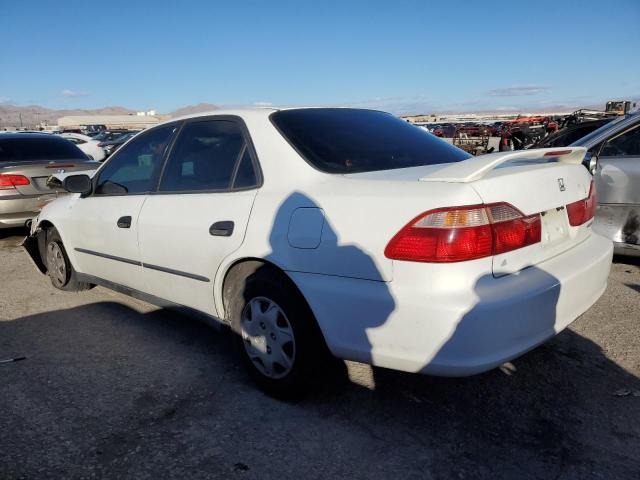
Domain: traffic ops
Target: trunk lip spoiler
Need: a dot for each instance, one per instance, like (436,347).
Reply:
(476,168)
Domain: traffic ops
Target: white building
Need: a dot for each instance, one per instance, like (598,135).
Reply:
(131,122)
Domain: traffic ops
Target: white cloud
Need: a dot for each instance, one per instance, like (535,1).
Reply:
(73,93)
(4,99)
(263,104)
(519,90)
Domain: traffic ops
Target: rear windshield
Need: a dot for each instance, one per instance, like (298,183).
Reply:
(30,149)
(341,140)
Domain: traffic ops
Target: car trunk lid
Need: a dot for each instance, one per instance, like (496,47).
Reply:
(543,182)
(39,172)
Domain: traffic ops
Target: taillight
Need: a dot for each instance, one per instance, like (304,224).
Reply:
(464,233)
(8,181)
(583,210)
(511,229)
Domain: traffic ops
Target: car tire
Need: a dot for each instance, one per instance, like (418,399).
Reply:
(275,333)
(59,268)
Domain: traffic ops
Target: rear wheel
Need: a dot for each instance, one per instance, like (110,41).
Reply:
(59,268)
(275,332)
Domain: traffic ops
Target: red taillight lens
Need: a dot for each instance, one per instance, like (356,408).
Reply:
(583,210)
(512,230)
(8,181)
(464,233)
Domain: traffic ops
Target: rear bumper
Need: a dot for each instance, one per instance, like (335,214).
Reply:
(17,210)
(456,324)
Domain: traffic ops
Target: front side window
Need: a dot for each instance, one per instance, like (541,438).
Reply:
(626,144)
(134,168)
(205,157)
(342,140)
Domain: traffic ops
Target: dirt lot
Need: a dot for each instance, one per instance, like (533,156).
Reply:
(113,387)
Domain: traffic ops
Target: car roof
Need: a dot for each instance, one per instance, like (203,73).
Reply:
(28,135)
(75,135)
(257,112)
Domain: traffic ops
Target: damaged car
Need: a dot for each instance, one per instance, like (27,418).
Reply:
(349,232)
(614,159)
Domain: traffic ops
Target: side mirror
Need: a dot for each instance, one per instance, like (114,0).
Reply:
(593,164)
(77,184)
(590,162)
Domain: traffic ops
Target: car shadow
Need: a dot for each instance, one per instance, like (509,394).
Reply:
(627,260)
(103,380)
(332,257)
(13,232)
(108,390)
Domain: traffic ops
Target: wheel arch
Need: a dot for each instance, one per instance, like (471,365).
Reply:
(35,245)
(237,270)
(243,267)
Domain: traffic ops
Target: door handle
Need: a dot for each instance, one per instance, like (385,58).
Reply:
(124,222)
(221,229)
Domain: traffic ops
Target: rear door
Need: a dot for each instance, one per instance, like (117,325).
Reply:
(200,212)
(618,184)
(103,228)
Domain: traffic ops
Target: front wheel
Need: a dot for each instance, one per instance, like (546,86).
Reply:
(276,333)
(59,268)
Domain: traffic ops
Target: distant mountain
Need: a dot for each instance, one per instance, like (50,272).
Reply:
(32,115)
(188,110)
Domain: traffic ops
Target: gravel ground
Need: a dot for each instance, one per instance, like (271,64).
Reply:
(113,387)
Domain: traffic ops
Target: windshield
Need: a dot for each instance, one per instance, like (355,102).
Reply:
(584,141)
(37,149)
(342,140)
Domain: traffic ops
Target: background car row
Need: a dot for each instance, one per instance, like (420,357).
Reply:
(612,141)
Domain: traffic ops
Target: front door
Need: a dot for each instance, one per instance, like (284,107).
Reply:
(104,225)
(200,212)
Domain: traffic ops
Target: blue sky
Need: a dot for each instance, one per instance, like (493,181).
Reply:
(398,55)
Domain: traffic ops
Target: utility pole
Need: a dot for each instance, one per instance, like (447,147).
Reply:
(20,119)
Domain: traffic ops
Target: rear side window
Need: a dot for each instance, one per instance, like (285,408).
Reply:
(38,149)
(246,176)
(205,158)
(340,140)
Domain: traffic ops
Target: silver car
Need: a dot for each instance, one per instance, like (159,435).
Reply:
(27,160)
(614,159)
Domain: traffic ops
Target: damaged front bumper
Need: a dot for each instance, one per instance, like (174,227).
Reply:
(34,245)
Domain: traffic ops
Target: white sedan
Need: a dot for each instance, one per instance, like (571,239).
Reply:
(347,231)
(87,144)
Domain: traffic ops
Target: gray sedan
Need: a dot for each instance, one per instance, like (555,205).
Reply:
(614,155)
(27,160)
